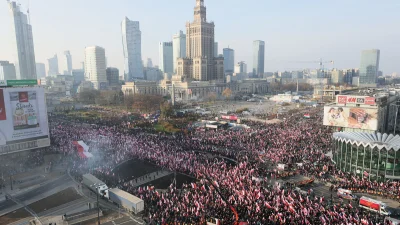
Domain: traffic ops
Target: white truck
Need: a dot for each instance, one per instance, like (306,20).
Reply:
(95,185)
(374,206)
(126,200)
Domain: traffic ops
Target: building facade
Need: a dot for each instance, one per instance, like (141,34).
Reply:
(153,74)
(112,76)
(179,45)
(369,67)
(53,66)
(194,90)
(297,74)
(67,61)
(258,58)
(79,76)
(149,62)
(166,57)
(95,67)
(132,47)
(200,62)
(241,67)
(40,70)
(348,75)
(216,49)
(368,156)
(7,71)
(337,77)
(229,60)
(25,64)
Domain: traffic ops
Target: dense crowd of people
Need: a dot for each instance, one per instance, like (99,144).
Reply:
(222,187)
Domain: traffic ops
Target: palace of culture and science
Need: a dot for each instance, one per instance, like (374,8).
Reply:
(200,72)
(200,63)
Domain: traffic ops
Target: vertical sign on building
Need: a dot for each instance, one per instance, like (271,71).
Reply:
(3,115)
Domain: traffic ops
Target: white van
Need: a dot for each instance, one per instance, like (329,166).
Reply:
(346,194)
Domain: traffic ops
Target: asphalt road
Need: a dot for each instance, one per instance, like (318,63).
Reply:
(35,192)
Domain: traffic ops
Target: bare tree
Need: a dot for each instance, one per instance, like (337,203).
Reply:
(227,93)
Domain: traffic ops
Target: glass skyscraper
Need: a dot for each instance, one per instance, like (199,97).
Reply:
(258,58)
(369,67)
(229,60)
(179,46)
(132,46)
(166,57)
(25,64)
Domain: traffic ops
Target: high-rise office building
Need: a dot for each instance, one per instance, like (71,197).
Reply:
(7,71)
(149,63)
(112,76)
(25,64)
(348,75)
(200,63)
(369,67)
(179,45)
(215,49)
(40,70)
(67,61)
(95,67)
(78,75)
(258,58)
(53,66)
(241,67)
(337,76)
(166,57)
(132,46)
(229,60)
(153,74)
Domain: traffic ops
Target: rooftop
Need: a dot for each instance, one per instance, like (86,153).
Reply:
(379,140)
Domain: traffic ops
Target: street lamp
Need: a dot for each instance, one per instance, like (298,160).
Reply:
(98,206)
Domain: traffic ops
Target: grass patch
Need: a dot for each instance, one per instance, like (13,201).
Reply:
(165,126)
(15,216)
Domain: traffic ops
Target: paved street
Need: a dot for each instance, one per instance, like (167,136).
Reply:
(125,221)
(24,197)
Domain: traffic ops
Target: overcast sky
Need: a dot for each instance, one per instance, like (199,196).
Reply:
(294,30)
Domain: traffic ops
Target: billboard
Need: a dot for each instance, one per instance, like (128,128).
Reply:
(23,119)
(351,117)
(349,99)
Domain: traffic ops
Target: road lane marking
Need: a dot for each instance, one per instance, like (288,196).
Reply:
(135,220)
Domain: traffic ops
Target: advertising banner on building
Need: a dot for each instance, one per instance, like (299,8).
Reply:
(350,99)
(351,117)
(23,119)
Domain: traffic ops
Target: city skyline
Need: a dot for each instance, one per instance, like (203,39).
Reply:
(301,36)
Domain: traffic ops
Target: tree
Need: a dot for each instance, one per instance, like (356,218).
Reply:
(166,109)
(147,103)
(88,96)
(128,101)
(212,96)
(227,93)
(110,97)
